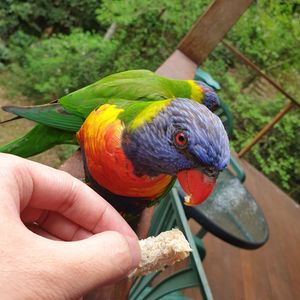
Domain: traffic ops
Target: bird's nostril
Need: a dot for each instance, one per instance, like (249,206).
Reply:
(212,172)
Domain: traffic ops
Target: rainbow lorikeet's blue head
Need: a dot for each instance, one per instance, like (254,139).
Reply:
(186,140)
(210,98)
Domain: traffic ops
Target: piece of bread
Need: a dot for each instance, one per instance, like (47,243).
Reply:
(163,250)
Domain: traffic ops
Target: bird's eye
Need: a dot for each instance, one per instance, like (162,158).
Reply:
(181,140)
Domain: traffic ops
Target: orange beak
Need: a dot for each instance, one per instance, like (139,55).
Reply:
(196,185)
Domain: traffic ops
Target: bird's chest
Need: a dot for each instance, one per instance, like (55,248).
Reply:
(100,138)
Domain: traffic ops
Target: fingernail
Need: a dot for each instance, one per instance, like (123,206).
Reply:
(135,250)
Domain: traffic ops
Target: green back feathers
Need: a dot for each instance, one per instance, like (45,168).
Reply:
(130,74)
(131,85)
(176,88)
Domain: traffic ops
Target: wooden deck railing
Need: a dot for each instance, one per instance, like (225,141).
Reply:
(293,103)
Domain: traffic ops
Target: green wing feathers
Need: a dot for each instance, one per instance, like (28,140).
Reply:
(52,115)
(39,139)
(55,127)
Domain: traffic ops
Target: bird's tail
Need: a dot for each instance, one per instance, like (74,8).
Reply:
(39,139)
(56,126)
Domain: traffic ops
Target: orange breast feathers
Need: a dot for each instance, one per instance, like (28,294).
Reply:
(100,138)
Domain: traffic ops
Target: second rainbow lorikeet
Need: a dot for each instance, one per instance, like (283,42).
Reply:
(133,149)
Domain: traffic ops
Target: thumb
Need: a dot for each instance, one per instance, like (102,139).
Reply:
(102,259)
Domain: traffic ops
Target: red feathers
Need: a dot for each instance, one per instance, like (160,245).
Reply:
(100,138)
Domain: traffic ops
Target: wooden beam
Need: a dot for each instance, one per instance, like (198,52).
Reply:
(286,109)
(211,27)
(177,66)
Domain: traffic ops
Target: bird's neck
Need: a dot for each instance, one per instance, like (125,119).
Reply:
(100,138)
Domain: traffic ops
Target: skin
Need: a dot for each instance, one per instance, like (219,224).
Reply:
(59,239)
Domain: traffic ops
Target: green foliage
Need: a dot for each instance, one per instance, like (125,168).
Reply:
(44,17)
(276,153)
(268,31)
(4,54)
(58,65)
(147,34)
(17,43)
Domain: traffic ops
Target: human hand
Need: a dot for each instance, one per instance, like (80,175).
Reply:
(59,239)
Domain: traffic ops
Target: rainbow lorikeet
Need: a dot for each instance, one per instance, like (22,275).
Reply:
(137,132)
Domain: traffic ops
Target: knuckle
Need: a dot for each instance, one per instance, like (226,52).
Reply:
(121,253)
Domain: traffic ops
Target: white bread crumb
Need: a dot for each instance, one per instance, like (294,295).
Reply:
(163,250)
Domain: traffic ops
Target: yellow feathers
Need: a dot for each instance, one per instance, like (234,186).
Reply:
(149,113)
(196,91)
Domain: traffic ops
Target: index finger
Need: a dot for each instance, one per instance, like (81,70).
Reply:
(50,189)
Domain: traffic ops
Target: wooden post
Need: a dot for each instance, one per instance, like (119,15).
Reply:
(211,27)
(286,109)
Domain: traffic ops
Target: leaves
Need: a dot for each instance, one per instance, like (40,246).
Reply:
(61,64)
(34,17)
(147,34)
